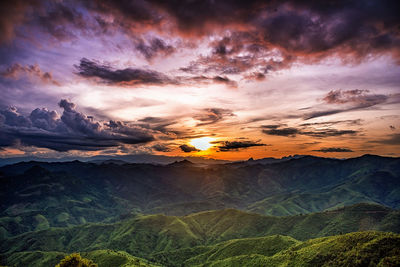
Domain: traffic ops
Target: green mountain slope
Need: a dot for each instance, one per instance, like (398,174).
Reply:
(104,258)
(145,235)
(353,249)
(266,246)
(39,195)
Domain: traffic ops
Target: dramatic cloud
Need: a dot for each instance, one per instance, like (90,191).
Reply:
(181,56)
(328,132)
(351,100)
(292,30)
(361,98)
(161,148)
(16,71)
(282,132)
(282,33)
(60,20)
(128,76)
(154,47)
(236,145)
(136,77)
(212,115)
(292,132)
(333,149)
(70,131)
(188,148)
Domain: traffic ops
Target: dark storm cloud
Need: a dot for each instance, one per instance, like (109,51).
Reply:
(262,36)
(136,77)
(305,32)
(240,53)
(199,17)
(212,115)
(70,131)
(236,145)
(161,148)
(128,76)
(188,149)
(154,47)
(297,26)
(16,71)
(351,100)
(60,20)
(282,131)
(333,149)
(127,14)
(292,132)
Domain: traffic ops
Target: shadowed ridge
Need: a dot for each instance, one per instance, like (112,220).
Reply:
(182,163)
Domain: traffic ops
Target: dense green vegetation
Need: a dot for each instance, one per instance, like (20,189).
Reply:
(354,249)
(103,258)
(75,260)
(307,211)
(39,195)
(172,239)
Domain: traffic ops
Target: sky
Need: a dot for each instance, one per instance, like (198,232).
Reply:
(216,79)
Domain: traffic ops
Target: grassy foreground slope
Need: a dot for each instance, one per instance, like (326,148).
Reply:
(104,258)
(146,235)
(267,246)
(354,249)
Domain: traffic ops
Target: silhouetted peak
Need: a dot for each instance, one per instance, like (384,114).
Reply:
(370,156)
(184,162)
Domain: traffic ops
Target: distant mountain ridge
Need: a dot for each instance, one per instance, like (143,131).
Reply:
(139,158)
(38,195)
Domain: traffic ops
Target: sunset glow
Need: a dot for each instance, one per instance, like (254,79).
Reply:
(202,143)
(80,79)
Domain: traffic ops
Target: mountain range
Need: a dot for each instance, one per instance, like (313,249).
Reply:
(266,212)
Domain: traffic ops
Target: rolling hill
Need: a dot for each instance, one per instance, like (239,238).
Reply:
(163,238)
(301,211)
(39,195)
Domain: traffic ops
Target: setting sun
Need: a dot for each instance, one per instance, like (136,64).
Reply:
(202,143)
